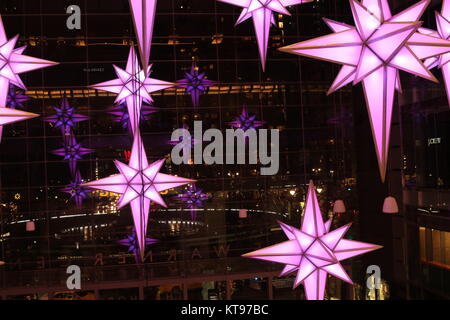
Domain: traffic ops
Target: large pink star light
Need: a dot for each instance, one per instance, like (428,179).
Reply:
(313,251)
(143,12)
(262,13)
(443,31)
(134,87)
(13,63)
(139,184)
(372,53)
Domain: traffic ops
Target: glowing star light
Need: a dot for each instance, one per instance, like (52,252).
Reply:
(139,183)
(131,242)
(72,152)
(372,53)
(246,121)
(8,116)
(193,198)
(76,191)
(121,116)
(313,251)
(65,117)
(13,63)
(133,86)
(261,11)
(143,12)
(16,98)
(195,84)
(443,27)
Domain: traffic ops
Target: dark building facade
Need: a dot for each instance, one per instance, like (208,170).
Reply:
(322,138)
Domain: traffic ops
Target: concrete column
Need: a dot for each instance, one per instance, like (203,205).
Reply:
(185,291)
(141,293)
(351,292)
(229,289)
(270,288)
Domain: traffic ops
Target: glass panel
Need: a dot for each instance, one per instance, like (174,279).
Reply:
(437,252)
(423,255)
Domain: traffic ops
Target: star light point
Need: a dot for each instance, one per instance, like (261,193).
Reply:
(143,12)
(139,183)
(12,64)
(443,32)
(373,52)
(262,13)
(9,116)
(313,251)
(134,87)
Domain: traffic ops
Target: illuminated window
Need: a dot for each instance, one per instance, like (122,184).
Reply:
(422,240)
(434,246)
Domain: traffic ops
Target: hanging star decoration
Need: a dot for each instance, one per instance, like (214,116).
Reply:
(139,184)
(373,52)
(65,117)
(313,251)
(8,116)
(76,191)
(121,116)
(16,98)
(193,198)
(262,13)
(12,64)
(131,241)
(195,84)
(443,32)
(246,121)
(134,87)
(143,12)
(72,152)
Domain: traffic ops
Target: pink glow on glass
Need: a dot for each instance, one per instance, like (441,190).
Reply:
(313,251)
(139,184)
(374,52)
(262,13)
